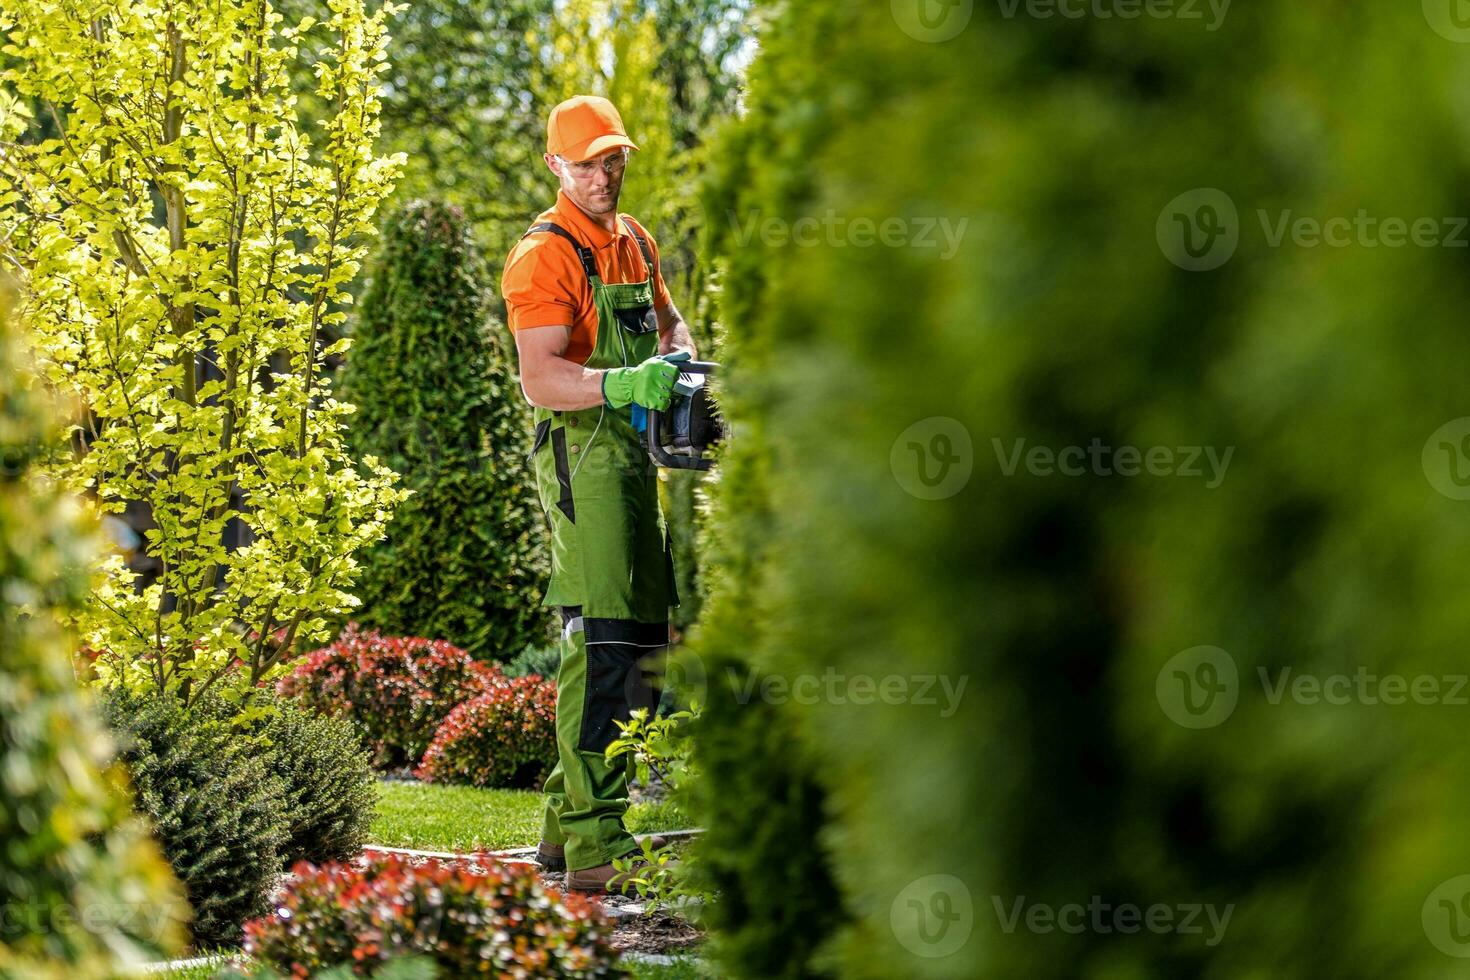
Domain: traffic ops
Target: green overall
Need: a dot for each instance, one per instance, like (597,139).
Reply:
(612,575)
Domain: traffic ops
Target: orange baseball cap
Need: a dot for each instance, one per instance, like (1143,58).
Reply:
(584,126)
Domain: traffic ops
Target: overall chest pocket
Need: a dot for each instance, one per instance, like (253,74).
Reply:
(638,320)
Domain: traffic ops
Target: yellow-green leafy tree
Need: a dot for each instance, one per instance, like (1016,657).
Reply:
(184,243)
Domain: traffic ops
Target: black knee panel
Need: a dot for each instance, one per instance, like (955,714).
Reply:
(616,681)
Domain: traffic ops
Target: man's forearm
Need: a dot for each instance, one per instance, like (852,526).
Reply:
(675,337)
(562,385)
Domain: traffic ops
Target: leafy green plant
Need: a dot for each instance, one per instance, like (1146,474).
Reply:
(661,745)
(433,379)
(662,881)
(217,808)
(186,246)
(72,843)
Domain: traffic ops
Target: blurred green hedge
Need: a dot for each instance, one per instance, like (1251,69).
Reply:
(1332,546)
(83,887)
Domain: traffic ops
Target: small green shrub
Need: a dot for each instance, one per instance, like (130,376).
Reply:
(505,738)
(331,791)
(542,660)
(218,811)
(664,747)
(476,917)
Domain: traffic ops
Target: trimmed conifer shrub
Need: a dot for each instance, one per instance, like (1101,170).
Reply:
(217,809)
(330,787)
(432,375)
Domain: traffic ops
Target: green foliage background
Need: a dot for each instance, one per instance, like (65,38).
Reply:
(433,378)
(1060,320)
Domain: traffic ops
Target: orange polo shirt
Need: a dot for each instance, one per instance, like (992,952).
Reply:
(544,283)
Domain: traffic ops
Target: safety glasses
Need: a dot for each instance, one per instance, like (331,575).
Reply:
(613,164)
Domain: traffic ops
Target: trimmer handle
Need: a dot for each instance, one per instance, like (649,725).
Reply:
(662,456)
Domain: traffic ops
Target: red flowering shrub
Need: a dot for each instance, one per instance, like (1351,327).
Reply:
(397,689)
(475,917)
(505,737)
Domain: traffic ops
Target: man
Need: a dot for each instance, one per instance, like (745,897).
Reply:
(598,340)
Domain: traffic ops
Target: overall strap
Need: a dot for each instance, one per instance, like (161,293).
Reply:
(589,263)
(642,245)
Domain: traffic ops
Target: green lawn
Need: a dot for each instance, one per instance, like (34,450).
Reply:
(452,818)
(449,818)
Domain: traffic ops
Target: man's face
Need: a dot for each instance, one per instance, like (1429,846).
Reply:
(593,184)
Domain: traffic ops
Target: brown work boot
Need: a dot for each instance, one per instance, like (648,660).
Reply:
(606,877)
(551,857)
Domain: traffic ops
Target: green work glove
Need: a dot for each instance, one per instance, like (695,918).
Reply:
(648,384)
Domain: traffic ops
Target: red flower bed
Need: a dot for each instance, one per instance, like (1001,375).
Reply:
(505,737)
(477,917)
(398,689)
